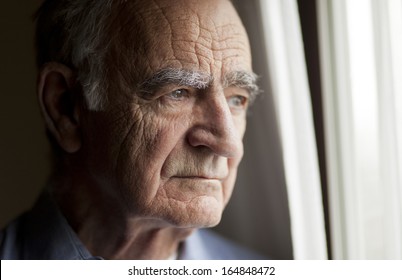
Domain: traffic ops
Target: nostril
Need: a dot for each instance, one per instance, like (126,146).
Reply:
(225,144)
(198,137)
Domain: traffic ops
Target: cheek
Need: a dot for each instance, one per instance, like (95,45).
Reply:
(229,183)
(143,154)
(240,123)
(233,163)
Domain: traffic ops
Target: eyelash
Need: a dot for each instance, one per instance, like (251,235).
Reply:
(173,95)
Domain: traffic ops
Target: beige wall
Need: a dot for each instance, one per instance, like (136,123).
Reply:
(23,147)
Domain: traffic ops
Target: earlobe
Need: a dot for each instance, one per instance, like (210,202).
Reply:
(57,96)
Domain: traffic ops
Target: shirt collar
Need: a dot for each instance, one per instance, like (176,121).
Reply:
(49,236)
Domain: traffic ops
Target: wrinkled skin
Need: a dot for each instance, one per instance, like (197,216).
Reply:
(165,164)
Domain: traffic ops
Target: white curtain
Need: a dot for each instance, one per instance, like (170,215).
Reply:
(360,42)
(288,75)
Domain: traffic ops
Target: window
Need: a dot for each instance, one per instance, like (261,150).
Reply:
(361,61)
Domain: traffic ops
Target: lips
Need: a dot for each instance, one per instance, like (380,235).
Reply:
(200,177)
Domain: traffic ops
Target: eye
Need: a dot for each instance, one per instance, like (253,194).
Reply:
(237,102)
(179,94)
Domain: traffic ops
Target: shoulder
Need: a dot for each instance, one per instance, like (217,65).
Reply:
(206,244)
(41,233)
(10,240)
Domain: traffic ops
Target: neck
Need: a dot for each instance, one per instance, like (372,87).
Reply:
(137,240)
(108,231)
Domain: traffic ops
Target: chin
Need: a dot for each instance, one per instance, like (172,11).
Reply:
(200,222)
(202,213)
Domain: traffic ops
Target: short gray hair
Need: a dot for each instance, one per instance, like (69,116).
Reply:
(73,32)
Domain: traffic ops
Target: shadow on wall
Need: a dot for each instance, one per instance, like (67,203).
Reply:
(257,215)
(23,146)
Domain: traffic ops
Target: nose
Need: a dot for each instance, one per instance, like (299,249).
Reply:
(215,128)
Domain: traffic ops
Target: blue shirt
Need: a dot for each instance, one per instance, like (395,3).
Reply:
(44,234)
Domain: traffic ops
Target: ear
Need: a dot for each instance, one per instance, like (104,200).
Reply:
(57,94)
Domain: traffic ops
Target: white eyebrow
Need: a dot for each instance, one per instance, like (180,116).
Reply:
(199,80)
(176,76)
(243,79)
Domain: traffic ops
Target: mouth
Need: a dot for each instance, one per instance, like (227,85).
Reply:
(196,177)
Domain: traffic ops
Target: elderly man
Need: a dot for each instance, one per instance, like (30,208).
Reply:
(145,104)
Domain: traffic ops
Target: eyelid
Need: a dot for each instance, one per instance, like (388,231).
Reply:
(240,91)
(163,91)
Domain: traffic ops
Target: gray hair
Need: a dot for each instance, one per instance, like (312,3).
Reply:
(73,32)
(181,77)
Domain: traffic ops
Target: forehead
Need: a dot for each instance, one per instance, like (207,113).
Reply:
(203,35)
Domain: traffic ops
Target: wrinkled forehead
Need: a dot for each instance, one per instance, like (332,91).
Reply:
(202,35)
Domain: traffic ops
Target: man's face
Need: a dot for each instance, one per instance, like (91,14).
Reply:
(168,147)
